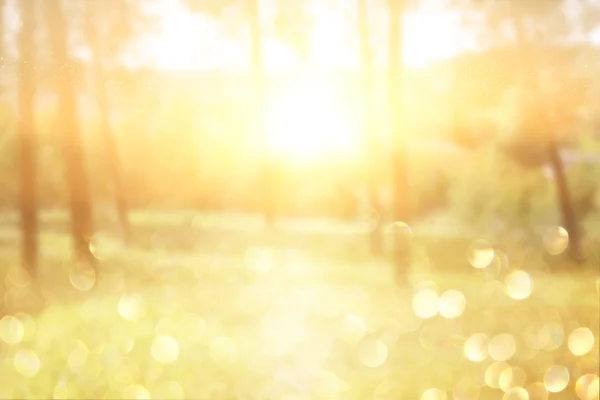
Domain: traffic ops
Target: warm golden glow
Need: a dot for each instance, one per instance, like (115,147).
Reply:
(309,124)
(214,227)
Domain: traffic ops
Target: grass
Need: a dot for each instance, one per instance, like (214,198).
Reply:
(207,307)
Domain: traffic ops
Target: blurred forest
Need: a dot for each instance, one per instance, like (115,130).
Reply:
(185,139)
(498,138)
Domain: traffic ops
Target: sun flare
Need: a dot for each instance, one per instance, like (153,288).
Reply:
(310,124)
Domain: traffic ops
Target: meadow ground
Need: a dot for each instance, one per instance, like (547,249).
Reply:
(206,307)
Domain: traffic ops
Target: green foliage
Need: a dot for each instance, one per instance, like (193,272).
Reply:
(506,22)
(495,100)
(487,189)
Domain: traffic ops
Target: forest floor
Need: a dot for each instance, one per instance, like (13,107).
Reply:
(205,307)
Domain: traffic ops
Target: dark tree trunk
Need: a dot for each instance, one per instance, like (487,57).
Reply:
(566,207)
(369,139)
(112,152)
(400,187)
(569,220)
(27,139)
(70,135)
(257,64)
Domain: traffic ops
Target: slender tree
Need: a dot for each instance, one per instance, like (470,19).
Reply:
(565,200)
(369,138)
(566,208)
(259,83)
(112,152)
(542,117)
(70,135)
(27,139)
(400,185)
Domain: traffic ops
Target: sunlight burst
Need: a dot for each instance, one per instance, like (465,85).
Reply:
(309,124)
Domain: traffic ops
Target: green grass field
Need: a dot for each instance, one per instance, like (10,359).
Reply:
(209,307)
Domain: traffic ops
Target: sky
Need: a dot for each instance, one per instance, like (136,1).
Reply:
(189,41)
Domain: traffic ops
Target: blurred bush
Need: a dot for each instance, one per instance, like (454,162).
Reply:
(491,191)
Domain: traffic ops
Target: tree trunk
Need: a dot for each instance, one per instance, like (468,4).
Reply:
(567,211)
(369,139)
(71,141)
(569,220)
(399,165)
(260,110)
(27,139)
(112,152)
